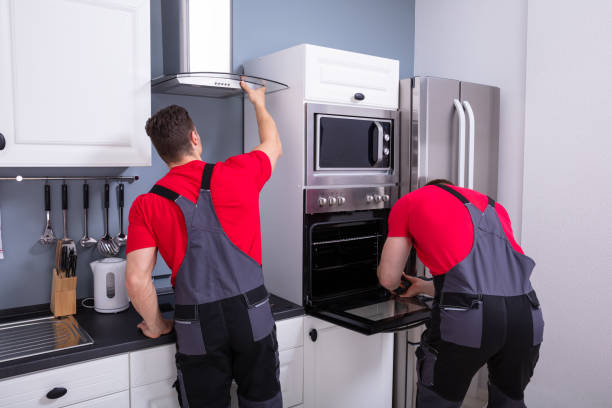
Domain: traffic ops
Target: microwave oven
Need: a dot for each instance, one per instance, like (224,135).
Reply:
(348,145)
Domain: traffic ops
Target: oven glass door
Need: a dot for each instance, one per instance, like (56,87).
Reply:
(353,143)
(376,313)
(342,285)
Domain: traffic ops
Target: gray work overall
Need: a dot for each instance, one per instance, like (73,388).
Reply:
(485,312)
(223,321)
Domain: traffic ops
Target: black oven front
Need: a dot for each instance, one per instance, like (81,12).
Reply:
(341,255)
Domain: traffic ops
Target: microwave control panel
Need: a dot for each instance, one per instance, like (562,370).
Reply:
(325,200)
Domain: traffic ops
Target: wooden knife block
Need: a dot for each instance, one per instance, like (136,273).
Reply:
(63,295)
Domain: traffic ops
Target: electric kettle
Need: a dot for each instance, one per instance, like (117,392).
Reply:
(110,294)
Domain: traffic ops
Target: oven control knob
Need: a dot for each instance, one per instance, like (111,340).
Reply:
(378,198)
(322,201)
(341,200)
(386,151)
(385,197)
(369,198)
(332,201)
(387,137)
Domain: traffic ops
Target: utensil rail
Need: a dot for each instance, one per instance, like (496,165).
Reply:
(128,179)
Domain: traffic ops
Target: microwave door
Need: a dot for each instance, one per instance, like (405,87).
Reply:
(384,316)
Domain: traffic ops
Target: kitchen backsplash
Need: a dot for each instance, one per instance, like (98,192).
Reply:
(259,28)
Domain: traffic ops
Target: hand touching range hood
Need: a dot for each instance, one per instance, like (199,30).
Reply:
(193,48)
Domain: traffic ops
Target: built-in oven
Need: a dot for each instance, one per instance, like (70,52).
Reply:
(341,254)
(348,145)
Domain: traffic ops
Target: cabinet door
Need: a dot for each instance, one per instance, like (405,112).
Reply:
(119,400)
(338,76)
(152,365)
(82,381)
(157,395)
(74,82)
(343,368)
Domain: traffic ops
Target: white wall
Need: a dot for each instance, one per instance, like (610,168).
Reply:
(482,41)
(567,210)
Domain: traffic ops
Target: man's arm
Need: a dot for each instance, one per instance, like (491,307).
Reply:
(268,133)
(391,268)
(139,283)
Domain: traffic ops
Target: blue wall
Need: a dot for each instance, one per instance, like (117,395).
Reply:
(384,28)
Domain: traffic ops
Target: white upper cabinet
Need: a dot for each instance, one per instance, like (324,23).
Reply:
(350,78)
(75,82)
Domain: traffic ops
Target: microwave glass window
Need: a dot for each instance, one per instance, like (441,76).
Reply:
(351,143)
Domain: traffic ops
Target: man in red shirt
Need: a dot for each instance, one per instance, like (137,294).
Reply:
(204,220)
(485,310)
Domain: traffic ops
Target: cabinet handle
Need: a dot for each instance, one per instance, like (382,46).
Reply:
(313,334)
(2,142)
(57,392)
(359,96)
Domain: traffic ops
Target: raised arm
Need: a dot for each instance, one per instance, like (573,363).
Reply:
(268,133)
(139,283)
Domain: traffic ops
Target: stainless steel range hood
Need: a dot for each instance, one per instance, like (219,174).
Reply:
(196,39)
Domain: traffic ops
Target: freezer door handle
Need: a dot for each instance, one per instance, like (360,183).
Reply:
(471,138)
(461,161)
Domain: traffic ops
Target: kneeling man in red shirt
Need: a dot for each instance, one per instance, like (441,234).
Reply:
(485,310)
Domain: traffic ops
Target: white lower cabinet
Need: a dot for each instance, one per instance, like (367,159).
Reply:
(345,369)
(340,368)
(82,382)
(118,400)
(157,395)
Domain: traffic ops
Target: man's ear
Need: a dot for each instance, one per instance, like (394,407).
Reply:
(195,138)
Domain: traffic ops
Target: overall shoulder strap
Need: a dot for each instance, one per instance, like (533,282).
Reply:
(454,192)
(207,176)
(164,192)
(491,202)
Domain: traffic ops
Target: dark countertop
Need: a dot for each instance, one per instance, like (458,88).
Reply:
(112,334)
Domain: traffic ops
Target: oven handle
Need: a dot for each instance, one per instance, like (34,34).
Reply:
(381,134)
(406,326)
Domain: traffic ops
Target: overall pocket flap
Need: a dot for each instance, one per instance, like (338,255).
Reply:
(460,301)
(533,299)
(256,297)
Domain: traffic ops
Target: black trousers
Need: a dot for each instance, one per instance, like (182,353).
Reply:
(446,369)
(231,354)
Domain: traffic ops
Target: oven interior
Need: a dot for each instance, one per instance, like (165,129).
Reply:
(342,252)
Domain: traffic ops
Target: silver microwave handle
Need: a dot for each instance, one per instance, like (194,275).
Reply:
(381,134)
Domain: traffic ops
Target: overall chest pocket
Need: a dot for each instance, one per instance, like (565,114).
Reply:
(461,318)
(260,312)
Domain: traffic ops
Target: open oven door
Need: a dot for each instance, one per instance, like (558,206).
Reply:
(373,313)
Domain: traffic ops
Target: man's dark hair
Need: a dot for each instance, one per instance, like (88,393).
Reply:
(440,181)
(169,130)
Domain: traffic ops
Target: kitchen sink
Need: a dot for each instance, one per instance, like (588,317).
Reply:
(27,338)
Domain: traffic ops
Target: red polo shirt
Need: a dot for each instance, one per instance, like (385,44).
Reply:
(440,226)
(235,185)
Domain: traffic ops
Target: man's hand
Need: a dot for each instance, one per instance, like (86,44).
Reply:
(417,286)
(256,96)
(164,326)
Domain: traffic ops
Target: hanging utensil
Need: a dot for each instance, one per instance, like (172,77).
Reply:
(86,241)
(121,238)
(106,245)
(48,237)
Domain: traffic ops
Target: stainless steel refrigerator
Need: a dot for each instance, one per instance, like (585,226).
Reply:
(449,130)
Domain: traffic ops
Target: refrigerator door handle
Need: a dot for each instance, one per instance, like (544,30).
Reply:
(461,170)
(471,137)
